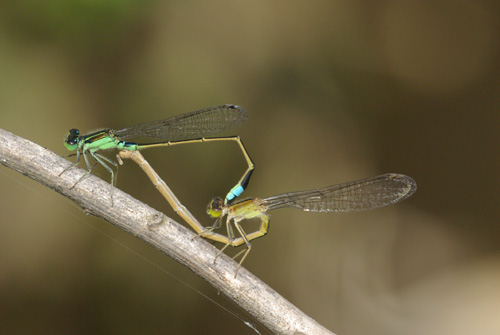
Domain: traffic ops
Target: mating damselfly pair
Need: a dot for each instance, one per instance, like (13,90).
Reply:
(360,195)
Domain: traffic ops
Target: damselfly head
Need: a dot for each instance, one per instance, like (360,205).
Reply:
(214,208)
(71,141)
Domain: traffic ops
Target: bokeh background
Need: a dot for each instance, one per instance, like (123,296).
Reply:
(337,90)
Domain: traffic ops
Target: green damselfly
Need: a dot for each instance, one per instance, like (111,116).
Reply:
(181,129)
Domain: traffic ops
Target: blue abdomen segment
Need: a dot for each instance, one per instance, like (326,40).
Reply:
(238,189)
(234,193)
(122,145)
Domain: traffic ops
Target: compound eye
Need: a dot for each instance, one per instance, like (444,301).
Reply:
(71,141)
(214,208)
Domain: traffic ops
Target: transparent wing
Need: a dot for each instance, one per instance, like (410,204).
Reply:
(359,195)
(204,122)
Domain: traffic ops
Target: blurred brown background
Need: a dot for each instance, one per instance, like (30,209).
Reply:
(336,90)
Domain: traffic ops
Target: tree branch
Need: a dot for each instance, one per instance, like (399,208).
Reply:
(93,196)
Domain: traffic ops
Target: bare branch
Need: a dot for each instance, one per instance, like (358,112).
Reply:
(93,196)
